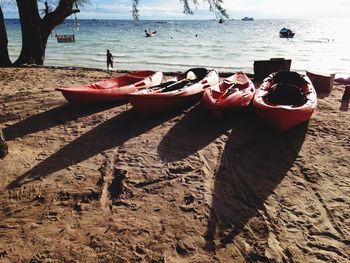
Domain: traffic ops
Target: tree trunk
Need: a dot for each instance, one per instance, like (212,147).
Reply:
(33,50)
(36,31)
(4,55)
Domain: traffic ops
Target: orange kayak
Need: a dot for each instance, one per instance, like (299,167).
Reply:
(285,99)
(186,88)
(111,89)
(234,92)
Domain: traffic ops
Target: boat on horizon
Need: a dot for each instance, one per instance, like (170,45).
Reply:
(247,18)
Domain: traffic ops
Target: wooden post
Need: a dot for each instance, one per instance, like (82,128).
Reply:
(346,95)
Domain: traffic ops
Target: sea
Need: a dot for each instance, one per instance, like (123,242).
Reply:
(320,45)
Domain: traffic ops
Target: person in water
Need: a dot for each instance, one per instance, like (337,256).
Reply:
(110,59)
(149,33)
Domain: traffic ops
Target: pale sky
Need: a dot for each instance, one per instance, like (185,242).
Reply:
(172,9)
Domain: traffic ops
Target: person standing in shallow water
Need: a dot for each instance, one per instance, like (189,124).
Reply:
(109,59)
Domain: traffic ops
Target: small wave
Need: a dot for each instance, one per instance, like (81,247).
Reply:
(317,41)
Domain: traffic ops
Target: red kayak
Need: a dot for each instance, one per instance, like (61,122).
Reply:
(234,92)
(185,88)
(285,99)
(112,89)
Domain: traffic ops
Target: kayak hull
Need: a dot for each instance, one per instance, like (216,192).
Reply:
(234,92)
(113,89)
(156,100)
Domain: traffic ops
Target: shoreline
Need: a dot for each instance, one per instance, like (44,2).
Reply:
(104,184)
(167,73)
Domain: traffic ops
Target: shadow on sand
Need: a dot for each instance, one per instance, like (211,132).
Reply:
(111,133)
(254,162)
(53,117)
(195,131)
(344,104)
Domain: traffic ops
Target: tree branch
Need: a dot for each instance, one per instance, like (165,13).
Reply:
(64,9)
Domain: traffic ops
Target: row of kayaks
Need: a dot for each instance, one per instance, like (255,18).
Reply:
(284,99)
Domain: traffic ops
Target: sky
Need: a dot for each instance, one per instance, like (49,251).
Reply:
(236,9)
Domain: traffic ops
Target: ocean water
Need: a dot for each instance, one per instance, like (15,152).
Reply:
(319,45)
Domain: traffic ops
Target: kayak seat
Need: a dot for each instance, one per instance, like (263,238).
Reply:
(195,74)
(225,85)
(242,86)
(286,94)
(289,77)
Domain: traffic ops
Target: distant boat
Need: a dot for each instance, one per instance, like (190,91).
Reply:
(221,21)
(286,33)
(247,18)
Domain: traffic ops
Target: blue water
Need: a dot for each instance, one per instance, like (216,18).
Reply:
(319,45)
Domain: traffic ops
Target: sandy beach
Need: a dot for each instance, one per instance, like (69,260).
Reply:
(102,184)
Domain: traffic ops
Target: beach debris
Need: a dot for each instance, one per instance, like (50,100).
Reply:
(77,207)
(188,199)
(53,216)
(185,246)
(3,145)
(139,249)
(3,254)
(63,196)
(95,242)
(344,81)
(116,187)
(40,198)
(180,168)
(187,208)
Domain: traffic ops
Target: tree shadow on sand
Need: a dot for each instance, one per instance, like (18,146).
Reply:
(53,117)
(254,162)
(111,133)
(195,131)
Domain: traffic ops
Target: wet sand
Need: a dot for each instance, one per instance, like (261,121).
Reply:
(102,184)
